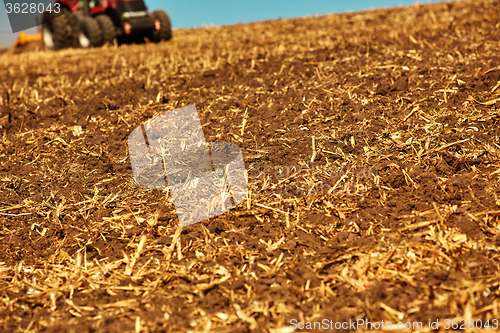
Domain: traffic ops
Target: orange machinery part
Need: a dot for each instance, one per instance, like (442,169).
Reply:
(24,38)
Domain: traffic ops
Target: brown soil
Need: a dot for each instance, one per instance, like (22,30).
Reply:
(396,218)
(28,47)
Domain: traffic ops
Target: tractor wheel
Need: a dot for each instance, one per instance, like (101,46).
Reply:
(56,30)
(74,23)
(165,32)
(90,34)
(107,27)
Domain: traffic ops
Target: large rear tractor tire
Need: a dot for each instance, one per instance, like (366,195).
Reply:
(90,34)
(56,29)
(107,28)
(165,28)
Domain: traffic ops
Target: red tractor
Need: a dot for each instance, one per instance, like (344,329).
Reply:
(91,23)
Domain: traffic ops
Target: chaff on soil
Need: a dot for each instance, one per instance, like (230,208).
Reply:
(371,145)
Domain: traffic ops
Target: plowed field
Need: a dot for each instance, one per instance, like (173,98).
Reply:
(371,142)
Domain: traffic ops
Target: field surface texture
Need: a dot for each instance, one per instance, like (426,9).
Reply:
(371,143)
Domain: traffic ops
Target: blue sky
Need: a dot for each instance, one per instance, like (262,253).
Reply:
(196,13)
